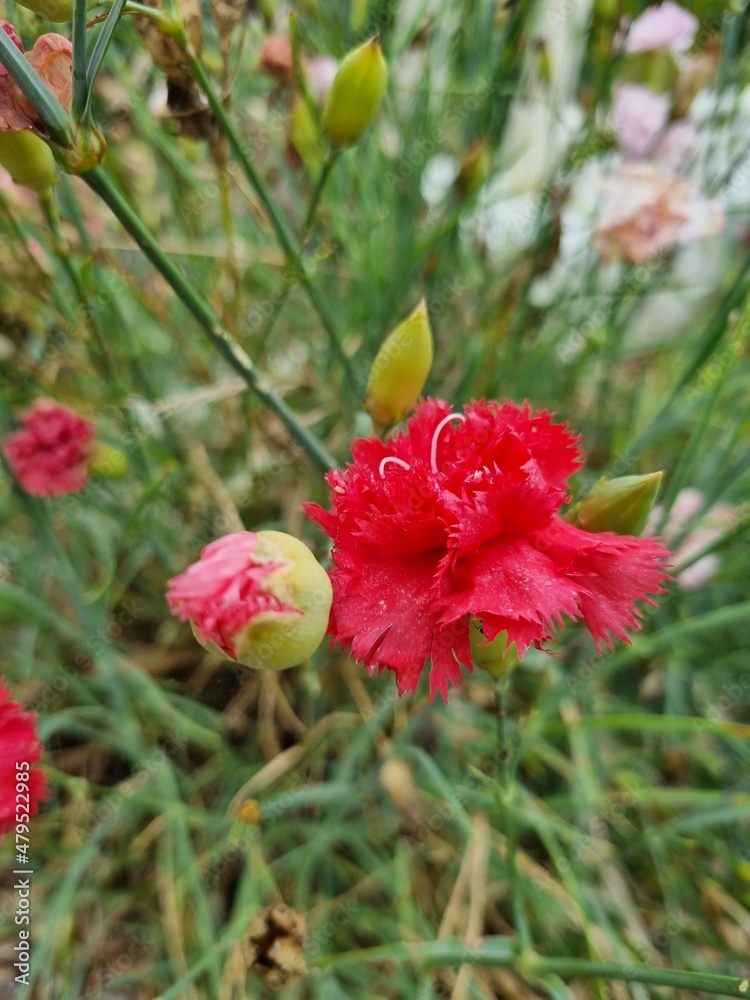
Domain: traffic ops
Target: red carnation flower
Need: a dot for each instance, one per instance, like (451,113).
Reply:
(19,744)
(457,517)
(51,452)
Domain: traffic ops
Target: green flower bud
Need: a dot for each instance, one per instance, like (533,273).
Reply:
(28,159)
(358,89)
(400,369)
(53,10)
(620,505)
(108,462)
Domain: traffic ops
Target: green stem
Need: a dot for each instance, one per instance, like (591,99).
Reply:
(41,98)
(100,183)
(730,986)
(285,239)
(297,267)
(499,952)
(80,82)
(317,194)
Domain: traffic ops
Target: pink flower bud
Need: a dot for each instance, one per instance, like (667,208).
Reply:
(261,599)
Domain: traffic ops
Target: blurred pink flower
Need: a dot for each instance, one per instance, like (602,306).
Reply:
(276,57)
(649,211)
(667,26)
(639,116)
(320,71)
(50,454)
(708,530)
(276,60)
(51,58)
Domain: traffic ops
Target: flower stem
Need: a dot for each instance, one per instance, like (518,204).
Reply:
(286,241)
(500,953)
(100,183)
(297,266)
(80,60)
(317,194)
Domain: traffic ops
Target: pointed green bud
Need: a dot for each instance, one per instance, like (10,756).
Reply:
(620,505)
(28,159)
(356,93)
(400,369)
(53,10)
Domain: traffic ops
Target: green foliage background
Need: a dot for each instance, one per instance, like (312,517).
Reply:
(622,779)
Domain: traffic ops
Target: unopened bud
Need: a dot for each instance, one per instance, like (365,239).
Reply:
(400,369)
(28,159)
(108,462)
(261,599)
(620,505)
(87,152)
(358,89)
(53,10)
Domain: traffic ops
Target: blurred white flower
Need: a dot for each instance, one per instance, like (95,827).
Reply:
(438,178)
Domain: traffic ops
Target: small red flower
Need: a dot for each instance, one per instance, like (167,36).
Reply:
(458,517)
(51,452)
(19,744)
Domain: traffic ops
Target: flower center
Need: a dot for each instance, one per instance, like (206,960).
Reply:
(436,437)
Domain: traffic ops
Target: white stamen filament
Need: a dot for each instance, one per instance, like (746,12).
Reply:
(397,461)
(436,436)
